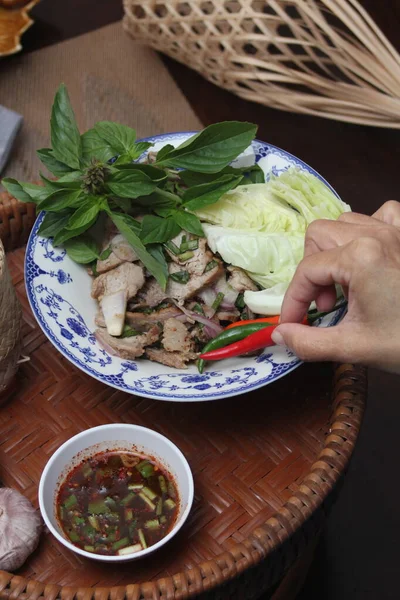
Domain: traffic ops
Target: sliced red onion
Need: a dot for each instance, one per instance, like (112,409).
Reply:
(211,328)
(104,344)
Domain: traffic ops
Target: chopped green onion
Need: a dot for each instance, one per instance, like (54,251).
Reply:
(98,507)
(130,549)
(135,486)
(128,514)
(88,548)
(110,502)
(180,277)
(215,305)
(70,502)
(87,470)
(171,490)
(210,266)
(149,493)
(198,309)
(172,248)
(193,244)
(169,504)
(145,468)
(163,485)
(159,508)
(142,538)
(240,301)
(125,501)
(129,332)
(89,532)
(189,245)
(73,536)
(93,266)
(152,524)
(163,519)
(132,528)
(94,522)
(106,253)
(186,256)
(149,503)
(120,543)
(78,521)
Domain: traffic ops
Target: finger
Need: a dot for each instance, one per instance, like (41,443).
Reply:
(389,213)
(322,343)
(321,270)
(314,274)
(326,299)
(355,218)
(324,234)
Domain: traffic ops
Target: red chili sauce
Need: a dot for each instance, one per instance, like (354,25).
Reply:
(117,503)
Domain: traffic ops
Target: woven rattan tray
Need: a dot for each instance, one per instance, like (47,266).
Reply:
(266,466)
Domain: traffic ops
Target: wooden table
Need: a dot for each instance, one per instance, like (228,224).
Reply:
(362,164)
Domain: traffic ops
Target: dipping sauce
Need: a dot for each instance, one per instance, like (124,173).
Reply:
(117,503)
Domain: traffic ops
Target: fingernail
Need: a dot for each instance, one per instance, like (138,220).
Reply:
(277,338)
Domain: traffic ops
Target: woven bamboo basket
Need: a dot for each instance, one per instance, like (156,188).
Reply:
(10,323)
(320,57)
(266,473)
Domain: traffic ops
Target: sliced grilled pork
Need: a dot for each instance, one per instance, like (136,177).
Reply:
(129,347)
(176,337)
(240,281)
(183,291)
(113,289)
(126,277)
(177,360)
(151,294)
(138,319)
(121,251)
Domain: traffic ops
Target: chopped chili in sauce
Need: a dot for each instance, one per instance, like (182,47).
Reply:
(117,503)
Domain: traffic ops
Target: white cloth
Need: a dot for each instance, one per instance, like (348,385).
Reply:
(10,122)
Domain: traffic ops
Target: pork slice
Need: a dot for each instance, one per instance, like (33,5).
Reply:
(129,347)
(183,291)
(121,251)
(159,316)
(177,360)
(151,294)
(228,315)
(202,256)
(127,277)
(240,281)
(176,337)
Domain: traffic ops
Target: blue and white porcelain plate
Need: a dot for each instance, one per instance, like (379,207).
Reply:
(59,294)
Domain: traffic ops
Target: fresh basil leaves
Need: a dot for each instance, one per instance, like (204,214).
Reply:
(94,175)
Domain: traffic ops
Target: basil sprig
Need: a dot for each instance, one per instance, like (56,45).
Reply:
(95,174)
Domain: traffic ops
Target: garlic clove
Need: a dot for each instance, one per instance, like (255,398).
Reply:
(20,528)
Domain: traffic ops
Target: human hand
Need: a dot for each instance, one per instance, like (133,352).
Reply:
(362,254)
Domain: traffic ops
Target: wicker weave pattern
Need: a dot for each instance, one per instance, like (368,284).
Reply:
(266,472)
(10,322)
(320,57)
(16,220)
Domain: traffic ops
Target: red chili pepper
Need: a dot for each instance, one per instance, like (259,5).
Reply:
(271,320)
(254,341)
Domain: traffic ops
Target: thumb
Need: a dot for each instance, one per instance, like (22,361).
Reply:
(313,343)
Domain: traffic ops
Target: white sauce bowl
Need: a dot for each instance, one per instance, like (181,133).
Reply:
(117,436)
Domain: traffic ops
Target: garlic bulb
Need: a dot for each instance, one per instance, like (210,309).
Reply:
(20,527)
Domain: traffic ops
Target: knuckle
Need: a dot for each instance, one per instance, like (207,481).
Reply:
(367,251)
(346,217)
(392,207)
(315,228)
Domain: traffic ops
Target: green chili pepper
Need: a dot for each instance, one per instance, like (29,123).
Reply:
(229,336)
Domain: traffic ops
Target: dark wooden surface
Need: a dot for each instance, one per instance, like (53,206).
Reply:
(359,553)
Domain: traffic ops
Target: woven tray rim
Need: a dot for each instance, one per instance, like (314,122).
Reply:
(349,394)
